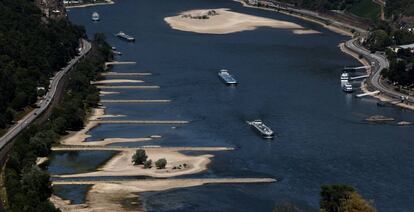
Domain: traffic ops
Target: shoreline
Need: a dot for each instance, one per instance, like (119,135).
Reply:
(364,86)
(225,21)
(109,195)
(330,27)
(108,2)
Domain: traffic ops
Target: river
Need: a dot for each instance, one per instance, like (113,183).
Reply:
(290,81)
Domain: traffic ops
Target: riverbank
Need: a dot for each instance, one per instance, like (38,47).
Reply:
(110,196)
(317,20)
(107,2)
(314,17)
(224,21)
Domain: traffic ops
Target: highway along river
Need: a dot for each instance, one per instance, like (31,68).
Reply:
(291,81)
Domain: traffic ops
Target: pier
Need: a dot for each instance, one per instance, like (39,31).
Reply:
(126,74)
(135,101)
(128,87)
(140,121)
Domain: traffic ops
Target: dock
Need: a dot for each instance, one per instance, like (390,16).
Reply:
(135,101)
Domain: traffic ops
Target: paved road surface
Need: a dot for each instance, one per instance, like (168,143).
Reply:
(43,104)
(380,62)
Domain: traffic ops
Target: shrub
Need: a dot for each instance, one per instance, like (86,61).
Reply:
(161,163)
(148,164)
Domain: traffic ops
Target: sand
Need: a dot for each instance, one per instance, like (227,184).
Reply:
(104,93)
(121,164)
(178,164)
(226,22)
(80,136)
(108,196)
(117,81)
(330,27)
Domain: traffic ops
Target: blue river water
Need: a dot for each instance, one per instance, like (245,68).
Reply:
(290,81)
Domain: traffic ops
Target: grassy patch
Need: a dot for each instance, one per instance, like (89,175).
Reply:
(366,9)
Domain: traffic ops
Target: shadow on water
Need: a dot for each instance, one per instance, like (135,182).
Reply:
(73,162)
(75,193)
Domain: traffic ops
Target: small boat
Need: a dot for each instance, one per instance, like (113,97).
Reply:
(261,128)
(227,77)
(95,16)
(124,36)
(347,88)
(344,76)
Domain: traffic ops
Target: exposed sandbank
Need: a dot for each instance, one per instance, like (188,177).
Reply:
(117,81)
(225,21)
(121,165)
(126,74)
(104,93)
(108,196)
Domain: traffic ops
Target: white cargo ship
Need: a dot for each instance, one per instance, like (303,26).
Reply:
(261,128)
(227,77)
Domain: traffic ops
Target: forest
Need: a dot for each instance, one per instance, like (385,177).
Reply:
(32,49)
(28,187)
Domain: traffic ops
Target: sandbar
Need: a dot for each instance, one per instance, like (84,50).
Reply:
(224,21)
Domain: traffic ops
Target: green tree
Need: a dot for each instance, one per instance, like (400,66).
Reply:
(59,125)
(378,40)
(161,163)
(148,164)
(343,198)
(139,157)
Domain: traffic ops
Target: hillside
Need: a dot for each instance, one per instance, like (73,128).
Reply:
(32,49)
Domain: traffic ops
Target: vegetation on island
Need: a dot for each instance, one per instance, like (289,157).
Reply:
(148,164)
(161,163)
(27,186)
(140,157)
(334,198)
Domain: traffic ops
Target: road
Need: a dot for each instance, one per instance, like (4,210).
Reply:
(43,104)
(379,62)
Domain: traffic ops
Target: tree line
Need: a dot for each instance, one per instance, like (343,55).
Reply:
(27,186)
